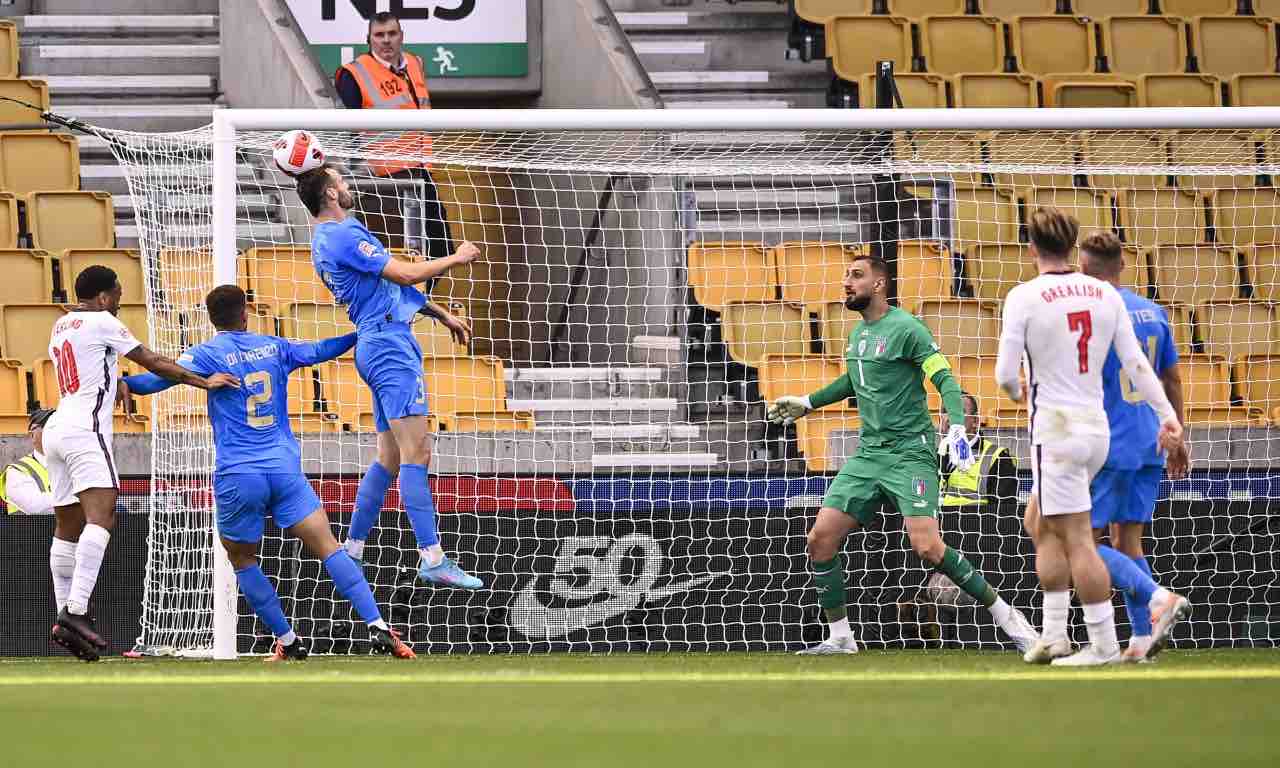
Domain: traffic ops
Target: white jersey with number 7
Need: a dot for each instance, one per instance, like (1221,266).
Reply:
(1061,325)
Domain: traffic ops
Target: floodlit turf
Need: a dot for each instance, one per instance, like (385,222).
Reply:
(904,708)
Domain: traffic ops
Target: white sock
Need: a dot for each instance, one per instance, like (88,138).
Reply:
(841,628)
(1100,618)
(355,548)
(288,637)
(1000,611)
(62,564)
(1057,606)
(379,624)
(434,555)
(1157,598)
(89,552)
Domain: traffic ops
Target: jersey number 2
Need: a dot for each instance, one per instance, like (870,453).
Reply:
(64,360)
(262,398)
(1082,322)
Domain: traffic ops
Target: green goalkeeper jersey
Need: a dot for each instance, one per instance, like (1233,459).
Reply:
(887,362)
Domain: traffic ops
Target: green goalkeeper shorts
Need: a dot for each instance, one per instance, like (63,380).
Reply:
(908,480)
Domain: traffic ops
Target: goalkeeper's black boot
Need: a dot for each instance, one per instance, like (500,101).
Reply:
(82,625)
(387,642)
(295,651)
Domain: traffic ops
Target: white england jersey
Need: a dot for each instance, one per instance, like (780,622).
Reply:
(85,349)
(1061,325)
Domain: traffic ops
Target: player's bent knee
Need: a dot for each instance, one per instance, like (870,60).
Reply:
(821,545)
(241,554)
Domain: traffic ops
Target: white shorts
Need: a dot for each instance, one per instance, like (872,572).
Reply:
(77,460)
(1064,464)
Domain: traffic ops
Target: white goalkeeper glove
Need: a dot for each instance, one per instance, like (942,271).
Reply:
(788,408)
(956,446)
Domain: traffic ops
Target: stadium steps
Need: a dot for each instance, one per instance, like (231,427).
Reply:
(150,7)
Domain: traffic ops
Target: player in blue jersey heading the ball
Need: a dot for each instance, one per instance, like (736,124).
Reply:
(382,302)
(258,469)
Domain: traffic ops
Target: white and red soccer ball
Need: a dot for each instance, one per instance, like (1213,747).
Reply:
(297,152)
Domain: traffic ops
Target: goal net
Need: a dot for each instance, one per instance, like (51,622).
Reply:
(601,457)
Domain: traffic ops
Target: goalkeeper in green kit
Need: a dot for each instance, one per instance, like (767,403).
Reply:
(889,355)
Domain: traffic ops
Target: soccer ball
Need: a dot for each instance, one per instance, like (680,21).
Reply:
(297,152)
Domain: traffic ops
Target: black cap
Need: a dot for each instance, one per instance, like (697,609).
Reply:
(38,417)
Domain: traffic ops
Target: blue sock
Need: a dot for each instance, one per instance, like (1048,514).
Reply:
(418,503)
(1134,583)
(262,596)
(1140,614)
(352,585)
(369,498)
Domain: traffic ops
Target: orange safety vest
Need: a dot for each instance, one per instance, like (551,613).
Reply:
(381,88)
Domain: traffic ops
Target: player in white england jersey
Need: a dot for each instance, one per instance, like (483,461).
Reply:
(86,346)
(1061,326)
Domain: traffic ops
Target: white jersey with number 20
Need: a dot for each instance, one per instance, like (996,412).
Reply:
(85,350)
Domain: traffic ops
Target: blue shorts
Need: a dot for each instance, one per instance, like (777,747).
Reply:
(245,500)
(1125,495)
(390,362)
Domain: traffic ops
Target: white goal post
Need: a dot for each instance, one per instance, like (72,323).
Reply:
(772,166)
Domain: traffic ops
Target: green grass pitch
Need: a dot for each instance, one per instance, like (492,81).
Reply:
(890,708)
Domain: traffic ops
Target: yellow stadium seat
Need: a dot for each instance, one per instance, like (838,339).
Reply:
(8,50)
(1100,8)
(1090,207)
(813,273)
(31,91)
(977,376)
(32,162)
(723,272)
(13,388)
(1183,326)
(1007,9)
(8,220)
(465,384)
(856,43)
(1216,148)
(1230,45)
(1256,90)
(435,339)
(962,327)
(955,44)
(61,220)
(1021,147)
(487,421)
(914,9)
(1161,216)
(1143,45)
(1194,274)
(27,329)
(1046,45)
(819,11)
(995,89)
(1198,7)
(28,276)
(798,375)
(344,392)
(1247,216)
(924,271)
(1258,379)
(1118,150)
(313,322)
(813,433)
(186,275)
(1173,90)
(126,264)
(45,378)
(304,391)
(130,424)
(284,281)
(1087,91)
(753,330)
(918,90)
(836,322)
(1206,381)
(984,215)
(1235,329)
(134,317)
(278,253)
(1264,271)
(1266,8)
(938,147)
(993,269)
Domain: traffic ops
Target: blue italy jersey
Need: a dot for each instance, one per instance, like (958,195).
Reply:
(251,431)
(350,260)
(1134,424)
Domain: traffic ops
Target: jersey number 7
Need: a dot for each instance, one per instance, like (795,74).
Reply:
(1082,322)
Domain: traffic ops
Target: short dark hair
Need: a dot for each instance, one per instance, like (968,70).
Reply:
(225,305)
(94,280)
(311,187)
(1052,232)
(382,17)
(972,401)
(878,264)
(1105,249)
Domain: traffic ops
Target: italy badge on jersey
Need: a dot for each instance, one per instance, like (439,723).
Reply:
(919,486)
(880,345)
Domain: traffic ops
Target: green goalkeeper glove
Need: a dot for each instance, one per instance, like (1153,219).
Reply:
(788,408)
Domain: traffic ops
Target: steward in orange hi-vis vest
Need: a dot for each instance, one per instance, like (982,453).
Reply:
(385,88)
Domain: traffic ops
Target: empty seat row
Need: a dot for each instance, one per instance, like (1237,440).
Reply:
(36,276)
(819,11)
(58,220)
(1223,46)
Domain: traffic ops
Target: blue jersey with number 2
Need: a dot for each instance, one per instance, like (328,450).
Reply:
(1134,424)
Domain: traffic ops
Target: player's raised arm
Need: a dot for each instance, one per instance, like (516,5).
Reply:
(788,408)
(1013,338)
(167,368)
(414,272)
(310,353)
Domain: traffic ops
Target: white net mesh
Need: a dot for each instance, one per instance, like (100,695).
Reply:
(601,458)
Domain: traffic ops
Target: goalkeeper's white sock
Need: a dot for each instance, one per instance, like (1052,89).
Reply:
(841,628)
(62,565)
(1100,618)
(89,553)
(1057,606)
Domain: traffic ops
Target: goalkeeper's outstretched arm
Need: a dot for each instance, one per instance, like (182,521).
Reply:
(788,408)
